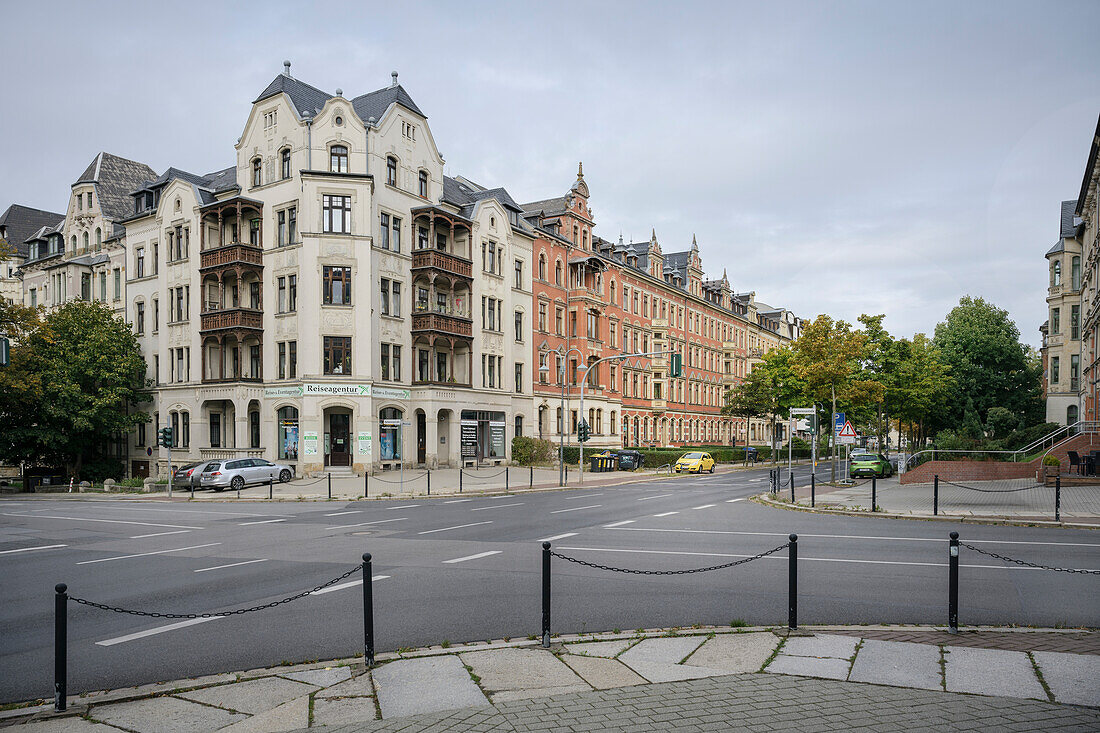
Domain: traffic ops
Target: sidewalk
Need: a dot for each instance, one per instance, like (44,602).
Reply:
(692,679)
(1005,500)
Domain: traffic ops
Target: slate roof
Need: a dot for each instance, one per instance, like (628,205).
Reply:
(114,178)
(1069,221)
(546,206)
(376,103)
(22,223)
(307,99)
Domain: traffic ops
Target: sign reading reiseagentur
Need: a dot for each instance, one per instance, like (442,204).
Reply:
(336,388)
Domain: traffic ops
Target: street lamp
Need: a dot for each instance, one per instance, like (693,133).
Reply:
(545,369)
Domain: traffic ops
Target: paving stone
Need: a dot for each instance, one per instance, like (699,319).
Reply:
(358,686)
(533,692)
(521,669)
(663,650)
(827,667)
(598,648)
(425,685)
(65,725)
(898,663)
(992,672)
(164,715)
(251,696)
(822,645)
(1073,678)
(344,710)
(321,677)
(292,715)
(603,674)
(735,652)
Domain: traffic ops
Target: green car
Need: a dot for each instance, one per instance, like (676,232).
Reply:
(864,463)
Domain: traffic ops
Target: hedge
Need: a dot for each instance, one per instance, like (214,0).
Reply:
(531,451)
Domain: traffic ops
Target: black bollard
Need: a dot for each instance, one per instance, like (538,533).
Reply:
(531,478)
(460,479)
(874,493)
(270,489)
(505,479)
(813,491)
(60,648)
(366,482)
(1057,498)
(953,585)
(368,611)
(546,595)
(792,582)
(936,495)
(330,485)
(429,481)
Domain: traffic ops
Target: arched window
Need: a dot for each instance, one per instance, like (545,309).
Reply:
(257,172)
(614,424)
(338,159)
(557,273)
(389,438)
(98,238)
(72,241)
(284,158)
(542,267)
(288,433)
(423,180)
(1056,273)
(1071,414)
(584,239)
(391,170)
(613,301)
(519,426)
(576,230)
(85,240)
(1075,272)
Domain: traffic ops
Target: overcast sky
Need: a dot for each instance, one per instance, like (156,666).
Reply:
(833,157)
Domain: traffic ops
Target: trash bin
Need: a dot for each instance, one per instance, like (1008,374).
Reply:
(629,460)
(603,462)
(750,454)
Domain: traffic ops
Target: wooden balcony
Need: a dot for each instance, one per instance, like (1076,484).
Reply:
(443,323)
(232,254)
(232,318)
(423,259)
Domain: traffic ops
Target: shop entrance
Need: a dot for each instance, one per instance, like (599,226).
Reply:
(421,437)
(338,439)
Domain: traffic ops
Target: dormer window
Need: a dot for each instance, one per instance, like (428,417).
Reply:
(257,172)
(391,170)
(338,159)
(284,159)
(423,184)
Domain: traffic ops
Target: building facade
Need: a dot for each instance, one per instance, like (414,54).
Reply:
(1062,344)
(1088,211)
(21,230)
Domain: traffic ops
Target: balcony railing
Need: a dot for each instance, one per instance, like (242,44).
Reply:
(228,379)
(442,323)
(232,318)
(444,383)
(232,254)
(444,261)
(214,454)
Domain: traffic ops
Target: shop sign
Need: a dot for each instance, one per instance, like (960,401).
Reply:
(337,388)
(468,434)
(390,393)
(295,391)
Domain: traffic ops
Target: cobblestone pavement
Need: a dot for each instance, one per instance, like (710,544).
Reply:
(751,702)
(1084,642)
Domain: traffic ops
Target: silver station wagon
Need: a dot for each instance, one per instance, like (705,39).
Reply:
(237,473)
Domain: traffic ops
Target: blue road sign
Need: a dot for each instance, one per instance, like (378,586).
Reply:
(838,421)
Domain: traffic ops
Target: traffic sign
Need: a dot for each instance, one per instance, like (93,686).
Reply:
(838,422)
(847,431)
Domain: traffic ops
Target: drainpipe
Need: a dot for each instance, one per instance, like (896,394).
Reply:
(309,143)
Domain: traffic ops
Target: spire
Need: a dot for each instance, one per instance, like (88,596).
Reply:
(580,170)
(653,235)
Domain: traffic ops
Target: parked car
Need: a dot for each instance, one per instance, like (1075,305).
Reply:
(240,472)
(695,462)
(864,463)
(187,477)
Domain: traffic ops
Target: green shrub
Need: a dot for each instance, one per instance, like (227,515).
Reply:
(531,451)
(1050,460)
(133,483)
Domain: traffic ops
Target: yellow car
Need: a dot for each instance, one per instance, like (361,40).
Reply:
(695,462)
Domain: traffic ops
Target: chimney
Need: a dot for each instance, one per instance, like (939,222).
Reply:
(394,75)
(286,68)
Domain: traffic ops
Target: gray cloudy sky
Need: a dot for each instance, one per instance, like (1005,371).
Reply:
(834,157)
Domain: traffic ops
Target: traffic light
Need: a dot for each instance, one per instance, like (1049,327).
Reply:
(676,368)
(812,421)
(582,432)
(164,436)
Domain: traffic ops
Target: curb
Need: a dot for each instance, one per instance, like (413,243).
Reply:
(765,500)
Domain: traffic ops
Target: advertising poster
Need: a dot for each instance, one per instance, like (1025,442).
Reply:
(309,443)
(364,448)
(469,438)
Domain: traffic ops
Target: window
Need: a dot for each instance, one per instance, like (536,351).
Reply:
(557,273)
(292,224)
(292,293)
(391,170)
(215,430)
(489,256)
(542,317)
(390,362)
(519,274)
(282,360)
(139,262)
(337,353)
(391,298)
(519,326)
(85,240)
(542,267)
(1055,321)
(1075,322)
(257,172)
(1056,273)
(519,378)
(519,426)
(493,314)
(254,232)
(280,229)
(284,158)
(1055,363)
(287,418)
(336,285)
(1074,372)
(423,182)
(139,317)
(103,287)
(338,159)
(281,288)
(1074,273)
(389,434)
(337,213)
(99,241)
(156,307)
(395,238)
(559,322)
(544,366)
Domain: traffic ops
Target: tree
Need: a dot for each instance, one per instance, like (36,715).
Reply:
(770,389)
(75,381)
(923,385)
(990,366)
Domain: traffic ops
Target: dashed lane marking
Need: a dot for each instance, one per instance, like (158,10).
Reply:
(157,630)
(340,514)
(496,506)
(558,537)
(731,501)
(345,586)
(658,496)
(665,514)
(478,556)
(159,534)
(364,524)
(583,496)
(145,554)
(230,565)
(30,549)
(577,508)
(262,521)
(619,524)
(447,529)
(104,521)
(403,506)
(705,506)
(457,501)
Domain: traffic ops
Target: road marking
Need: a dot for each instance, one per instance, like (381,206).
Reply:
(262,521)
(731,501)
(857,537)
(754,480)
(160,534)
(665,514)
(447,529)
(344,586)
(174,511)
(340,514)
(496,506)
(558,537)
(705,506)
(230,565)
(583,496)
(658,496)
(106,521)
(157,630)
(403,506)
(457,501)
(577,508)
(800,558)
(364,524)
(144,554)
(472,557)
(28,549)
(619,524)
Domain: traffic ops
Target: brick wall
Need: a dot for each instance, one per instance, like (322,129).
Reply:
(973,470)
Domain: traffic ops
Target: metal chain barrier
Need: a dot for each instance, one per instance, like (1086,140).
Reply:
(1027,564)
(311,483)
(493,475)
(218,614)
(399,481)
(633,571)
(992,491)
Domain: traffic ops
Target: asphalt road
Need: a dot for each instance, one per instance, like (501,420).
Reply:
(462,569)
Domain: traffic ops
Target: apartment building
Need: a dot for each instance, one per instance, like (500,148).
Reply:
(1062,344)
(20,229)
(1088,211)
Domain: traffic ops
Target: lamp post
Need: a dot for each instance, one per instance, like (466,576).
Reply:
(588,368)
(561,428)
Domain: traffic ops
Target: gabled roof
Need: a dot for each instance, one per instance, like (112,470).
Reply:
(307,99)
(546,207)
(114,178)
(20,223)
(376,103)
